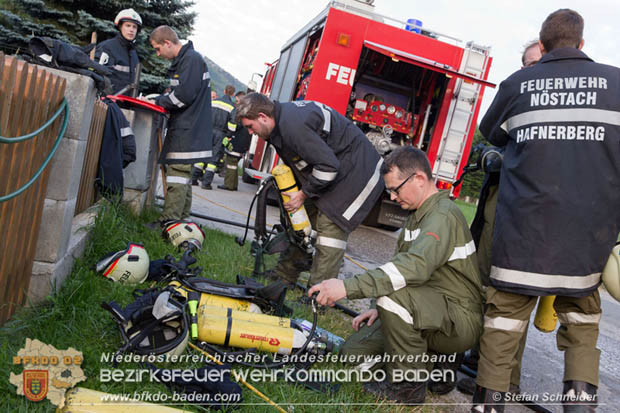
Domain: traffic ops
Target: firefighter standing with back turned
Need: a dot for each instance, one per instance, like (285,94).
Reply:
(428,295)
(234,150)
(557,211)
(482,233)
(223,126)
(336,165)
(189,131)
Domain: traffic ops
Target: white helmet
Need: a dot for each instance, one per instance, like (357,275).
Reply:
(127,15)
(183,233)
(611,273)
(129,266)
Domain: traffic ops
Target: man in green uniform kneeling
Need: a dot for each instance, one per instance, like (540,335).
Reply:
(428,296)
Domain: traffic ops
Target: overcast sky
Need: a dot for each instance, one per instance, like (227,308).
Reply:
(241,35)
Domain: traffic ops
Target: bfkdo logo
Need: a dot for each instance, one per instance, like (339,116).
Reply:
(35,384)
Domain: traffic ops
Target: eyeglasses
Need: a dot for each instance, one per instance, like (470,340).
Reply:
(396,190)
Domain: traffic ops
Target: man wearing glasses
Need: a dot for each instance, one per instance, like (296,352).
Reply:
(428,296)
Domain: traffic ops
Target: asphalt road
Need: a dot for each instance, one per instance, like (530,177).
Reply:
(370,247)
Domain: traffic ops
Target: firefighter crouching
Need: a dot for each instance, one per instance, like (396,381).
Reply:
(223,126)
(335,165)
(189,130)
(428,296)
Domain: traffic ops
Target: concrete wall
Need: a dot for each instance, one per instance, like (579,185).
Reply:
(63,236)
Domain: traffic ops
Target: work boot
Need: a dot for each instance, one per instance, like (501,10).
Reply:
(443,387)
(194,182)
(205,186)
(226,188)
(579,397)
(488,401)
(403,392)
(467,385)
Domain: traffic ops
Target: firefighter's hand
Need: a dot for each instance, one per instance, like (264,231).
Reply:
(296,200)
(329,291)
(368,316)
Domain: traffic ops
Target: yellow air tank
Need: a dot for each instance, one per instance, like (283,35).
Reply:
(546,318)
(229,331)
(218,300)
(299,219)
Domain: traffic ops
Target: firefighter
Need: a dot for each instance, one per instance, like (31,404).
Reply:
(234,150)
(119,53)
(223,126)
(335,165)
(189,130)
(428,296)
(557,217)
(482,232)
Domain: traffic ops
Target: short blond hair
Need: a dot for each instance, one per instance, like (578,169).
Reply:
(162,33)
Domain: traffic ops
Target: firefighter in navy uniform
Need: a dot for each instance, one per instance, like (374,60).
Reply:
(223,127)
(189,130)
(428,295)
(335,165)
(119,53)
(557,211)
(234,149)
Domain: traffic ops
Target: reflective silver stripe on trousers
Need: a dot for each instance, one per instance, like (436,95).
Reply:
(231,167)
(397,279)
(121,68)
(463,252)
(188,155)
(367,365)
(175,101)
(562,115)
(506,324)
(301,164)
(327,117)
(324,176)
(331,242)
(363,196)
(126,131)
(579,318)
(177,180)
(174,82)
(393,307)
(533,279)
(235,154)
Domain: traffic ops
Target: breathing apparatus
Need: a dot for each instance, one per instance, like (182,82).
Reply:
(299,219)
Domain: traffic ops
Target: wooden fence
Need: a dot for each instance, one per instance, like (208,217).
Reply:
(29,97)
(86,193)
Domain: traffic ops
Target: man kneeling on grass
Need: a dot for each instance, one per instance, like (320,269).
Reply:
(428,296)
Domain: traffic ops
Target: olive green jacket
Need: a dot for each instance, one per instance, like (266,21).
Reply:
(435,248)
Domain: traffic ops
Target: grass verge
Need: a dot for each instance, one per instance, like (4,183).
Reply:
(73,318)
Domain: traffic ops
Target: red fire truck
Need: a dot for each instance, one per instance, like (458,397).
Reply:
(400,83)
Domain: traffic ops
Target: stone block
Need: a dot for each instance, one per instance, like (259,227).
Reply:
(55,230)
(135,199)
(67,164)
(138,174)
(49,277)
(81,94)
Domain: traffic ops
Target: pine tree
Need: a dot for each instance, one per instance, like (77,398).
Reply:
(73,21)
